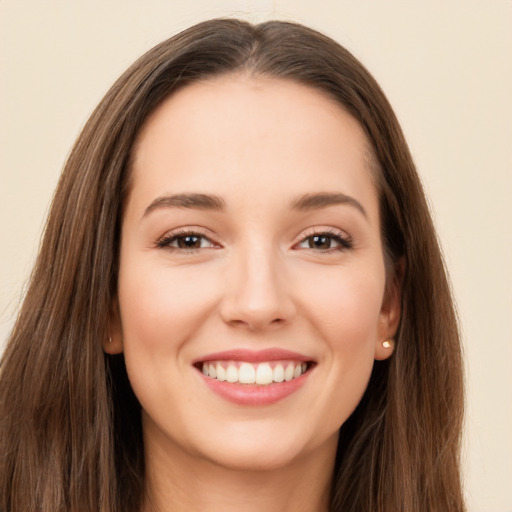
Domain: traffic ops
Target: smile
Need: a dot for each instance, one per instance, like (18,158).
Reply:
(255,378)
(261,374)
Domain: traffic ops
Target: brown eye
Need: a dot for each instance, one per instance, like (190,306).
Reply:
(186,242)
(189,242)
(320,242)
(325,242)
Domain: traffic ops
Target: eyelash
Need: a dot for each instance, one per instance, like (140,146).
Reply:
(344,242)
(166,241)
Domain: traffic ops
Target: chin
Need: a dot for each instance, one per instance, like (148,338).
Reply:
(255,457)
(256,449)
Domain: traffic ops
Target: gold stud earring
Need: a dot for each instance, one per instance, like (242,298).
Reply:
(387,343)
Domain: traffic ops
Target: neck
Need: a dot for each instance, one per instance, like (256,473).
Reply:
(178,482)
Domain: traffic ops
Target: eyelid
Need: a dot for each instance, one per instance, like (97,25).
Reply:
(170,236)
(344,240)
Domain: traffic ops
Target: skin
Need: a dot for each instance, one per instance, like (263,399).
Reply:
(256,281)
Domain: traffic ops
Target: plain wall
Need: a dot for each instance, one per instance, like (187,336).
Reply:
(446,67)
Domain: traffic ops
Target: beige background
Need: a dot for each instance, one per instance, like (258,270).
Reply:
(447,69)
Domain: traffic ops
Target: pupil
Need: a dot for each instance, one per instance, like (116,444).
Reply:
(189,241)
(320,242)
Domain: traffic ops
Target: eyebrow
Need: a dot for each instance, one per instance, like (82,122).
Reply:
(192,201)
(324,199)
(211,202)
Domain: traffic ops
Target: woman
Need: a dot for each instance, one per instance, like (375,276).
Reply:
(239,300)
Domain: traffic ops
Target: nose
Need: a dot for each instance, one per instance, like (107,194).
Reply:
(257,293)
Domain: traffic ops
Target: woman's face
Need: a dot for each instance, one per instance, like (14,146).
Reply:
(251,286)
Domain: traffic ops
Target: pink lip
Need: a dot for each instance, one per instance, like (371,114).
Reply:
(251,394)
(254,356)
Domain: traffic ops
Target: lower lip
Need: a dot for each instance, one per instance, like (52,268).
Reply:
(251,394)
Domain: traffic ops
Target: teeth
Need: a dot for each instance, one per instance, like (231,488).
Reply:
(264,374)
(260,374)
(246,374)
(288,373)
(221,373)
(232,373)
(278,373)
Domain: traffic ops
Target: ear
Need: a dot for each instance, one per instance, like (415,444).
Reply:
(113,344)
(389,317)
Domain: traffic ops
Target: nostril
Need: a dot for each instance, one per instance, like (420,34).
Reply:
(254,324)
(239,322)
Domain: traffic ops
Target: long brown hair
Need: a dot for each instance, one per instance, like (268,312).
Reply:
(70,428)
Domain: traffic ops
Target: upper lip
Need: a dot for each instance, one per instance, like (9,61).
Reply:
(254,356)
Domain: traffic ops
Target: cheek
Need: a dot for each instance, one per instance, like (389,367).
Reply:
(345,305)
(344,308)
(161,308)
(349,327)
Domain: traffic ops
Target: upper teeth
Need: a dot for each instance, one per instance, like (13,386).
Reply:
(257,373)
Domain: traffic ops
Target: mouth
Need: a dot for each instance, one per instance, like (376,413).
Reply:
(259,374)
(255,378)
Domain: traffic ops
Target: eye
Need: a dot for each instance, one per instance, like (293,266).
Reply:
(185,241)
(325,242)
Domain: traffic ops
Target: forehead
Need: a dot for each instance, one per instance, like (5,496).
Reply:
(247,102)
(241,129)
